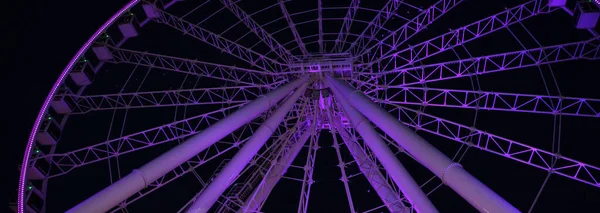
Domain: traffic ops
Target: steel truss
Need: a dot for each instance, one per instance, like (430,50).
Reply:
(262,34)
(292,27)
(345,30)
(408,30)
(167,98)
(400,77)
(483,100)
(462,35)
(375,26)
(504,147)
(251,57)
(65,162)
(231,74)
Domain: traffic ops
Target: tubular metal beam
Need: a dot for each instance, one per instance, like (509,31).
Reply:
(277,170)
(388,195)
(140,178)
(451,173)
(392,165)
(211,194)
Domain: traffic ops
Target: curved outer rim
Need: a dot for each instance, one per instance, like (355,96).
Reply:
(42,112)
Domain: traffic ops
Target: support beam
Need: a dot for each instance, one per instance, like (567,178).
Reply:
(292,26)
(309,170)
(167,98)
(227,73)
(320,20)
(341,163)
(276,171)
(451,173)
(261,33)
(391,199)
(251,57)
(63,163)
(401,77)
(140,178)
(485,141)
(217,186)
(408,30)
(386,157)
(345,30)
(374,26)
(462,35)
(497,101)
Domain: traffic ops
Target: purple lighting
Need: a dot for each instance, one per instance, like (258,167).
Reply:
(61,78)
(241,124)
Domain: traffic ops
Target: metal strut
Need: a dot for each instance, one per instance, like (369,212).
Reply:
(467,186)
(140,178)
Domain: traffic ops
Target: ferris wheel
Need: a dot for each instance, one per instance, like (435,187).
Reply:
(290,106)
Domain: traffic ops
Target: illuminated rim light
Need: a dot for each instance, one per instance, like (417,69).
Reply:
(61,78)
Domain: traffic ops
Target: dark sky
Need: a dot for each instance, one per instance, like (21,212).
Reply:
(46,34)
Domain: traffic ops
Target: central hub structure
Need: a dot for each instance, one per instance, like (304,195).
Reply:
(338,65)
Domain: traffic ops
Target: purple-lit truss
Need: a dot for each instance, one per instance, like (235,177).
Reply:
(247,94)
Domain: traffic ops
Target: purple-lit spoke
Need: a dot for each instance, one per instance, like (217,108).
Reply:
(401,77)
(292,27)
(374,26)
(251,57)
(290,148)
(488,142)
(408,30)
(167,98)
(260,32)
(345,30)
(307,179)
(227,73)
(65,162)
(464,34)
(482,100)
(212,152)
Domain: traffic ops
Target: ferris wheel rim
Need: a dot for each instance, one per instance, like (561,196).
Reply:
(52,93)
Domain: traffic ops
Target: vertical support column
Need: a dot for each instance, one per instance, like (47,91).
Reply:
(150,172)
(275,173)
(214,190)
(390,198)
(451,173)
(392,165)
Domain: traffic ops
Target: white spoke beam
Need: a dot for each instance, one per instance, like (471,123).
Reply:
(63,163)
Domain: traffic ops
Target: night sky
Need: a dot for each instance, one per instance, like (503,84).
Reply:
(46,34)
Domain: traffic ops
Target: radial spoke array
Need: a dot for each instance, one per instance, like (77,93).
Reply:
(386,66)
